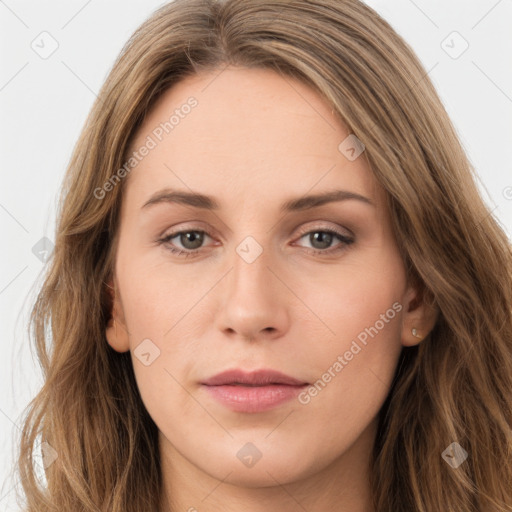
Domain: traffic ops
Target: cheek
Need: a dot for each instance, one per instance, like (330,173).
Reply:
(350,300)
(158,299)
(354,363)
(169,310)
(352,378)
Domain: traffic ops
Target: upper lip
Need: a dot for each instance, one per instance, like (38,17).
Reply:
(261,377)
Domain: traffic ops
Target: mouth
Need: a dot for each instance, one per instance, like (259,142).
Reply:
(253,392)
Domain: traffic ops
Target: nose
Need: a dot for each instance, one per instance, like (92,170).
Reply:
(254,300)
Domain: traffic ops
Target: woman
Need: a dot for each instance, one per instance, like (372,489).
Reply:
(275,285)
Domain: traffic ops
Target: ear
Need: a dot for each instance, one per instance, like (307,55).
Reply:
(420,315)
(116,332)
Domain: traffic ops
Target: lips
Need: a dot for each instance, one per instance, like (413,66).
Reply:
(252,392)
(256,378)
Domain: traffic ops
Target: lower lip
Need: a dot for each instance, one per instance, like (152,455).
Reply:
(254,398)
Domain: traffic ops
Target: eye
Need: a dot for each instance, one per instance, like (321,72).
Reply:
(322,239)
(190,240)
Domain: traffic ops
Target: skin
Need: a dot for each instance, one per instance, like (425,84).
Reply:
(254,141)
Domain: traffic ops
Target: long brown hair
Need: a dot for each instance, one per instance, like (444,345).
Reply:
(456,386)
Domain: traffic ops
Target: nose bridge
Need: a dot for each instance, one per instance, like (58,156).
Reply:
(250,273)
(252,303)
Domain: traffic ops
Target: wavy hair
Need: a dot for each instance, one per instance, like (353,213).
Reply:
(456,385)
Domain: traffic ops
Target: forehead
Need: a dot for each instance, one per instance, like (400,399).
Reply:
(248,133)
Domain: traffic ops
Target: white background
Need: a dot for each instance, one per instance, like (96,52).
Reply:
(44,103)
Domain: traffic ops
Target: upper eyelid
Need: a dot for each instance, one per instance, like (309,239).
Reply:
(208,231)
(309,229)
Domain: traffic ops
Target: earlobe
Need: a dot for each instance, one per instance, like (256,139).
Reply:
(116,332)
(418,338)
(415,333)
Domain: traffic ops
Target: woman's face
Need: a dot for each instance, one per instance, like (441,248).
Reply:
(278,281)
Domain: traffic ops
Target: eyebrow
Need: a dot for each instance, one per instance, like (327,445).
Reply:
(209,203)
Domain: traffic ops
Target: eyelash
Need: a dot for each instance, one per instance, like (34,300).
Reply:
(346,241)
